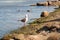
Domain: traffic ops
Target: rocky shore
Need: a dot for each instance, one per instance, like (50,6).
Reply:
(44,28)
(47,3)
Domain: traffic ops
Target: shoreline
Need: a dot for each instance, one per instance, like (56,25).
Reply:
(28,22)
(33,27)
(31,22)
(47,3)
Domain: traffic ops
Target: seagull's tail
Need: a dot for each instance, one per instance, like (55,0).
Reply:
(18,20)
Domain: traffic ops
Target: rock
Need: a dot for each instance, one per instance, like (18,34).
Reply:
(42,4)
(44,33)
(54,36)
(44,14)
(49,3)
(36,37)
(46,4)
(39,4)
(11,39)
(59,6)
(28,10)
(6,37)
(20,37)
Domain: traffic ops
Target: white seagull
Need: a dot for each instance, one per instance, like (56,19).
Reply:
(24,20)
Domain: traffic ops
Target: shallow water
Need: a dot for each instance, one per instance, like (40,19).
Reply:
(9,16)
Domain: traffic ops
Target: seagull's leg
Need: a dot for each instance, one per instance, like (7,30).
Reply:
(24,23)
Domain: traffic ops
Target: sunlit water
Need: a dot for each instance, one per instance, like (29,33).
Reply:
(9,16)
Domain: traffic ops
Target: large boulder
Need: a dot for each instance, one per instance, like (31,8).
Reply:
(46,4)
(49,3)
(42,4)
(44,14)
(54,36)
(39,4)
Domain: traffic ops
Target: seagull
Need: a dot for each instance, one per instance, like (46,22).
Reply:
(24,20)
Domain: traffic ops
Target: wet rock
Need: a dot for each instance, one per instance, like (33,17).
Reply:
(28,10)
(49,3)
(44,14)
(42,4)
(46,4)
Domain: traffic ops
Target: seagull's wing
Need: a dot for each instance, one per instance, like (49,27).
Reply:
(23,20)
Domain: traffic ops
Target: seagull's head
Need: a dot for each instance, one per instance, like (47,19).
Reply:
(26,15)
